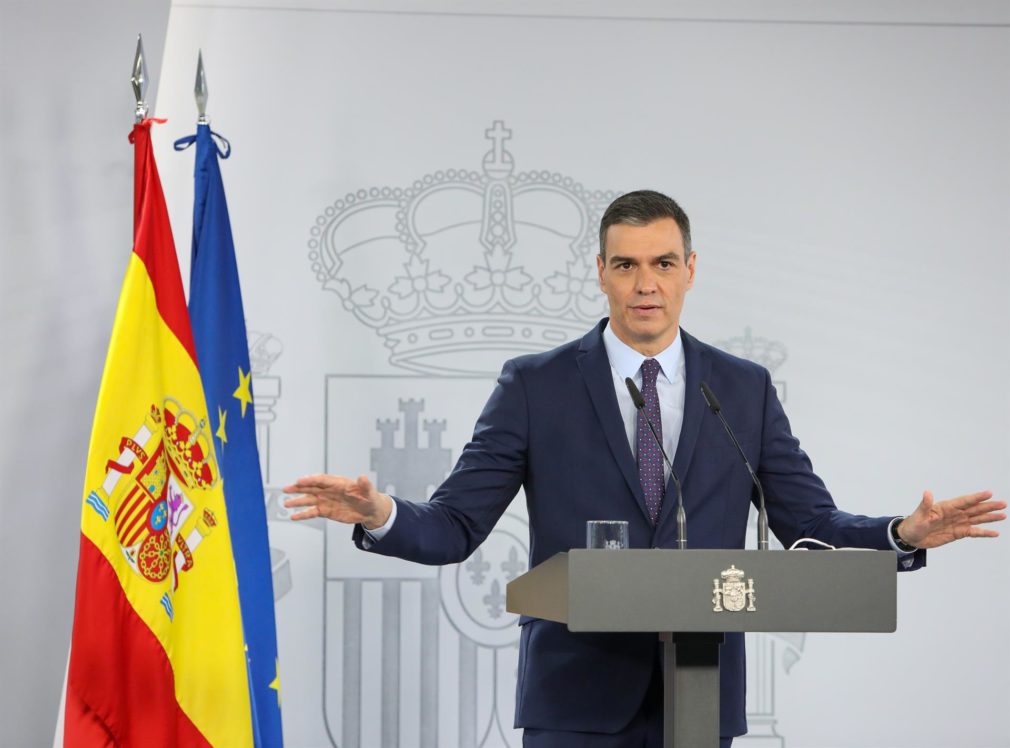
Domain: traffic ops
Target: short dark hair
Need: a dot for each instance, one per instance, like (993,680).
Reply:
(641,208)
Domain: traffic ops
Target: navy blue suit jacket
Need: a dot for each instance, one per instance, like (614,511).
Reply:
(553,426)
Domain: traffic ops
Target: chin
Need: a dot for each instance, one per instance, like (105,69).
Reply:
(649,332)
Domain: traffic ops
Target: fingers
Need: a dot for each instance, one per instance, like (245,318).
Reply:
(981,532)
(310,513)
(987,517)
(305,499)
(987,507)
(320,506)
(315,483)
(971,499)
(308,500)
(333,497)
(972,506)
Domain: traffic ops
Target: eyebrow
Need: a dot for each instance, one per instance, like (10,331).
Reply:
(669,256)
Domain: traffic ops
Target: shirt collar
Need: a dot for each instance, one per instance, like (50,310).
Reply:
(626,361)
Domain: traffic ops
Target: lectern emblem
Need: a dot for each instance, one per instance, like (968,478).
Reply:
(733,593)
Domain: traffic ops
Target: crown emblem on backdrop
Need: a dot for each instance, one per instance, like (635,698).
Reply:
(463,268)
(770,354)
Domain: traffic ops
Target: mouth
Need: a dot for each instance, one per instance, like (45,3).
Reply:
(646,310)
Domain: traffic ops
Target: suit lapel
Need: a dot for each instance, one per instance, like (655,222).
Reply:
(595,368)
(696,370)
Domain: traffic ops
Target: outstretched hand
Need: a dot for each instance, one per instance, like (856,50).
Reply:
(934,523)
(341,499)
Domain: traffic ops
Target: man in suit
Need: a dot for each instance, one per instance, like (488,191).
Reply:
(562,425)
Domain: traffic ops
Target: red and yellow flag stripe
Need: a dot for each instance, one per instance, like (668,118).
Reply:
(157,656)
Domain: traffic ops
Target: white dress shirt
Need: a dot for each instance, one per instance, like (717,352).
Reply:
(626,362)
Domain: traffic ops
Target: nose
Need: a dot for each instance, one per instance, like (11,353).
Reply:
(645,280)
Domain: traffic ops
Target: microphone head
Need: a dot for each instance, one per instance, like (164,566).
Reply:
(710,399)
(636,396)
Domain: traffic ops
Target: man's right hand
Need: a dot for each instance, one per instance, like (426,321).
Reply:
(341,499)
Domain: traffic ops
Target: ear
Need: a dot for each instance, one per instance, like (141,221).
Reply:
(690,269)
(600,267)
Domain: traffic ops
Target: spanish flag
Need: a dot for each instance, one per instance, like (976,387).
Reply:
(157,651)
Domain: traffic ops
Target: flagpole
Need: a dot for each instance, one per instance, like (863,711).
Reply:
(219,330)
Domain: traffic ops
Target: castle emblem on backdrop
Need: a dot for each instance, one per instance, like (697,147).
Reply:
(464,268)
(411,468)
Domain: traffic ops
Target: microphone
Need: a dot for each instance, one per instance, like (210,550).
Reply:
(639,401)
(713,405)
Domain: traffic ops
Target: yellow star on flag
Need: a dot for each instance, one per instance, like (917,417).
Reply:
(222,416)
(243,394)
(276,682)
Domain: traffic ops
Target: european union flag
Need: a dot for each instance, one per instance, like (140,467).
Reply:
(215,308)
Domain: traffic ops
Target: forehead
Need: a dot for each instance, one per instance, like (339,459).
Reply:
(653,239)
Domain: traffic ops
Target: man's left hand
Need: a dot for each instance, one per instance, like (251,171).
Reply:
(934,524)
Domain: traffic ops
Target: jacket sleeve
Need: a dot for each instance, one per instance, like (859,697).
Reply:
(799,505)
(487,476)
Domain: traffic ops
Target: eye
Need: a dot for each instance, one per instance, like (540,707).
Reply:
(665,264)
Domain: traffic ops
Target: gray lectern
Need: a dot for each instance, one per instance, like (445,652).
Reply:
(690,597)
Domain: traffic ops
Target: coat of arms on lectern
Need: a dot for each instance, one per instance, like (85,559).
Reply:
(733,594)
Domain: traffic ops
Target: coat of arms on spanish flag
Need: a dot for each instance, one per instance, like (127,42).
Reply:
(157,649)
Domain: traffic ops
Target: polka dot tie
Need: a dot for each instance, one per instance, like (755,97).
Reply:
(650,458)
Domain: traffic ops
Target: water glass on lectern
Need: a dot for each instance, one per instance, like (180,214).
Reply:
(607,534)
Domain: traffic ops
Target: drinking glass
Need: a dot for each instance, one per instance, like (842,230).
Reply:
(609,534)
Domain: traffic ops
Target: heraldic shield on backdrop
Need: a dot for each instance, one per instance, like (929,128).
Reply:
(456,272)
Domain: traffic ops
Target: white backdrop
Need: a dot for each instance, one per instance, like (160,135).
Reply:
(66,223)
(848,185)
(847,172)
